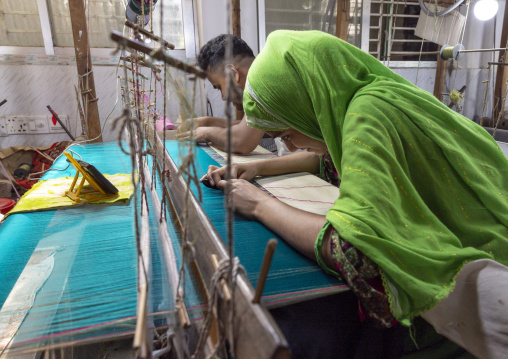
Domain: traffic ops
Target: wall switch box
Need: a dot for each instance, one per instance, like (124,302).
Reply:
(37,124)
(16,125)
(3,127)
(57,128)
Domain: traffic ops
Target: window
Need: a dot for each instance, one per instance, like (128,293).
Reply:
(391,32)
(20,21)
(308,15)
(102,17)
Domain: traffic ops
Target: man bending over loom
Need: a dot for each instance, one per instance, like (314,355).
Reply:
(213,130)
(421,224)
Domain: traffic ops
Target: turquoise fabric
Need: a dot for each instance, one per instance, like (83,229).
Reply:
(92,290)
(291,277)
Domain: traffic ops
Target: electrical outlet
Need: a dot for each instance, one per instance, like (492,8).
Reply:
(57,128)
(37,124)
(16,125)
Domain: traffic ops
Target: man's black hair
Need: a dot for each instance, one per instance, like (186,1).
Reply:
(213,52)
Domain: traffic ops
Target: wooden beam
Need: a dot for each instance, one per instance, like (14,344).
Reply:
(342,23)
(84,65)
(439,83)
(235,18)
(236,29)
(501,76)
(149,34)
(47,36)
(159,54)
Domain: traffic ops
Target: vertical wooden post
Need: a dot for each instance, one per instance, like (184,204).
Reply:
(84,65)
(342,23)
(236,29)
(501,75)
(439,83)
(235,18)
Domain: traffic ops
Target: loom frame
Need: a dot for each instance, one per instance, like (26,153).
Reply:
(261,338)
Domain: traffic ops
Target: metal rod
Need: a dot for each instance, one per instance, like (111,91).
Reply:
(498,63)
(3,102)
(149,34)
(399,53)
(485,50)
(59,121)
(157,54)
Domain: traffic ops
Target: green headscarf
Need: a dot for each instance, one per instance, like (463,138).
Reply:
(423,189)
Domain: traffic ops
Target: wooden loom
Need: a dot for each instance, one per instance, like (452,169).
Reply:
(256,333)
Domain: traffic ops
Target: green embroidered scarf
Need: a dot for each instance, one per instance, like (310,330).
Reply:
(424,190)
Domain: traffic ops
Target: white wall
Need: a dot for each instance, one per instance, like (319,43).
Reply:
(30,88)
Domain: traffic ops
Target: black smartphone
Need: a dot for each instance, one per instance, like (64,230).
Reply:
(102,181)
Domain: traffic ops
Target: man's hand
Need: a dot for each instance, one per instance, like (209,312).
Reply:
(205,121)
(245,197)
(187,124)
(199,135)
(246,171)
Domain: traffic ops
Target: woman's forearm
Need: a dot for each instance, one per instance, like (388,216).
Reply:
(296,162)
(299,228)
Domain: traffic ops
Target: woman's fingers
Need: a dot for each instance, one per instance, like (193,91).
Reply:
(244,196)
(216,174)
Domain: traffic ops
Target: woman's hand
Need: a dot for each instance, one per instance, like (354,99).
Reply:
(245,197)
(297,227)
(246,171)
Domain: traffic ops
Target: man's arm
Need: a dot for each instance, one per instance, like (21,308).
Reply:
(205,121)
(245,139)
(208,121)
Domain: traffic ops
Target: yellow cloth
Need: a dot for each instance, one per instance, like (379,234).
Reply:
(50,194)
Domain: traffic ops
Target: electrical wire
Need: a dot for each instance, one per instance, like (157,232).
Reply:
(56,169)
(440,13)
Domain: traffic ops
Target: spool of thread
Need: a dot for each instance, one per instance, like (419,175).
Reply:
(22,171)
(133,10)
(452,52)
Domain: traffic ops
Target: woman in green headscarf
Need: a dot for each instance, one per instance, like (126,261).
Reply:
(423,189)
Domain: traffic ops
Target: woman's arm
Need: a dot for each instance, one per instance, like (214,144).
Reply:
(299,228)
(298,162)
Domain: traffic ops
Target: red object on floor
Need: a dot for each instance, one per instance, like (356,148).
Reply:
(6,205)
